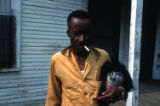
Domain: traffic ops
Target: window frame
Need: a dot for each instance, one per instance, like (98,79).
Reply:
(16,12)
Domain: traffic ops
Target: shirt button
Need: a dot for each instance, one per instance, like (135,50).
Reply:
(85,93)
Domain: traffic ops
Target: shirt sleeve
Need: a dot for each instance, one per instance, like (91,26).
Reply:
(54,88)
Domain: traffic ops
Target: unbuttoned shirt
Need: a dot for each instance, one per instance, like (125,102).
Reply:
(67,86)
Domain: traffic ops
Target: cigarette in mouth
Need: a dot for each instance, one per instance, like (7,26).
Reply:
(86,48)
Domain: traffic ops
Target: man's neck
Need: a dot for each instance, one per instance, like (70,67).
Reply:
(80,61)
(80,57)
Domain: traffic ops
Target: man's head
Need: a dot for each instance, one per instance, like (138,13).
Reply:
(79,31)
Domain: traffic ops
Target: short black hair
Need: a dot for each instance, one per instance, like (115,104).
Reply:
(81,14)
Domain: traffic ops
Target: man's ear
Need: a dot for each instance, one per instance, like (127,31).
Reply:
(68,32)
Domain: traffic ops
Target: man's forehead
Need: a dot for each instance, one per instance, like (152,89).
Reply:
(80,21)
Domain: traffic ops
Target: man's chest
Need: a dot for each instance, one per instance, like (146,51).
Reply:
(69,71)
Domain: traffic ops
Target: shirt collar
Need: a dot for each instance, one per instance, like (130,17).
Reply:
(94,53)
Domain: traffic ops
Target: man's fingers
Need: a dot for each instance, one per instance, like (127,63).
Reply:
(105,92)
(112,92)
(103,97)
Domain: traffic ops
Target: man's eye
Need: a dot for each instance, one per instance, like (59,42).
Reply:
(76,34)
(79,33)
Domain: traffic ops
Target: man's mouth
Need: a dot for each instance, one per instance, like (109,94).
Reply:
(84,46)
(81,44)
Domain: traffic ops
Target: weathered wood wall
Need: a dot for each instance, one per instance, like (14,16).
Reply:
(43,33)
(134,49)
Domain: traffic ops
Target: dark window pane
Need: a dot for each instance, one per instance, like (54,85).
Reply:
(6,40)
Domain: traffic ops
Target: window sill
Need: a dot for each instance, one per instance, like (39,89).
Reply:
(9,69)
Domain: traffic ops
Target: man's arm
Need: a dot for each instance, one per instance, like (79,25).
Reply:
(115,93)
(54,88)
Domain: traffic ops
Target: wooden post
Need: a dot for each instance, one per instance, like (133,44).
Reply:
(134,49)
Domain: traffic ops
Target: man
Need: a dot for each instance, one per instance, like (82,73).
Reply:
(74,72)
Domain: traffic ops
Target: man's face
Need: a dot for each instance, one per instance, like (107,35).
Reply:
(79,33)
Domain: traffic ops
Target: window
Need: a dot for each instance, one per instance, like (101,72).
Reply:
(6,34)
(10,19)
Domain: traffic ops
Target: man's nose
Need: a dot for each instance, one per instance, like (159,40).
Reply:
(81,38)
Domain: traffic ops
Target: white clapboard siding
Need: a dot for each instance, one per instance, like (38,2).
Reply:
(42,41)
(49,4)
(20,90)
(24,99)
(36,36)
(31,32)
(48,29)
(25,75)
(59,22)
(43,33)
(23,80)
(35,68)
(33,103)
(35,56)
(32,24)
(42,45)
